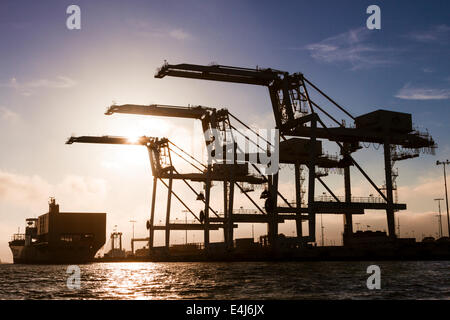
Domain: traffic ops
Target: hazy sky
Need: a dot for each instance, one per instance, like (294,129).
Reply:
(55,82)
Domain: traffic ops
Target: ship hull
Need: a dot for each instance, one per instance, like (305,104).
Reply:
(44,254)
(60,237)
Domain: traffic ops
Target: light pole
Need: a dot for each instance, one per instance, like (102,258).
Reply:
(185,221)
(322,227)
(446,194)
(439,216)
(321,221)
(132,242)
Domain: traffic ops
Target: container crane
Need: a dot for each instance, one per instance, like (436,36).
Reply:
(296,114)
(291,151)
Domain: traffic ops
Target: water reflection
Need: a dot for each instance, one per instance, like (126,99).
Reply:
(312,280)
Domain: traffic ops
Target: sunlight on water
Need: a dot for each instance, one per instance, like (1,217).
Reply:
(252,280)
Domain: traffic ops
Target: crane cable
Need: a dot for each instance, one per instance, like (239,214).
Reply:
(186,154)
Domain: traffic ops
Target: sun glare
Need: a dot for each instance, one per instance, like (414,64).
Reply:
(133,138)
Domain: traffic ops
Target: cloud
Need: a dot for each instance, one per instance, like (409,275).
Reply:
(60,82)
(179,34)
(436,34)
(428,187)
(350,47)
(29,191)
(145,29)
(419,197)
(8,115)
(27,88)
(416,93)
(17,188)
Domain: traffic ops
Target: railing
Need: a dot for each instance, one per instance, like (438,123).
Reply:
(177,221)
(240,211)
(369,199)
(181,246)
(219,213)
(18,236)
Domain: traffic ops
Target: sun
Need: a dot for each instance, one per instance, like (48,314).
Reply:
(133,139)
(133,129)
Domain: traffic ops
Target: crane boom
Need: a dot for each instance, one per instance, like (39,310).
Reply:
(292,105)
(145,141)
(197,112)
(288,92)
(261,77)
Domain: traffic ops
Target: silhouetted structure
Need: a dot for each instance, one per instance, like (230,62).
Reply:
(297,115)
(60,237)
(116,250)
(301,131)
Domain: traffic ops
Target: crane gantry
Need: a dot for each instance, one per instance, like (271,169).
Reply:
(296,114)
(302,128)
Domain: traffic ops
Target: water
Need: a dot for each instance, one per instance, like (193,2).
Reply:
(245,280)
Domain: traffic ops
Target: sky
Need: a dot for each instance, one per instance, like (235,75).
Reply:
(55,82)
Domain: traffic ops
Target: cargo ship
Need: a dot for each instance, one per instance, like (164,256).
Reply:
(60,237)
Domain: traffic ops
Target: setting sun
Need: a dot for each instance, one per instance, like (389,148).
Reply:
(133,139)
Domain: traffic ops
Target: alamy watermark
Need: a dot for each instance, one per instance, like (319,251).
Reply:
(74,278)
(374,20)
(73,21)
(374,280)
